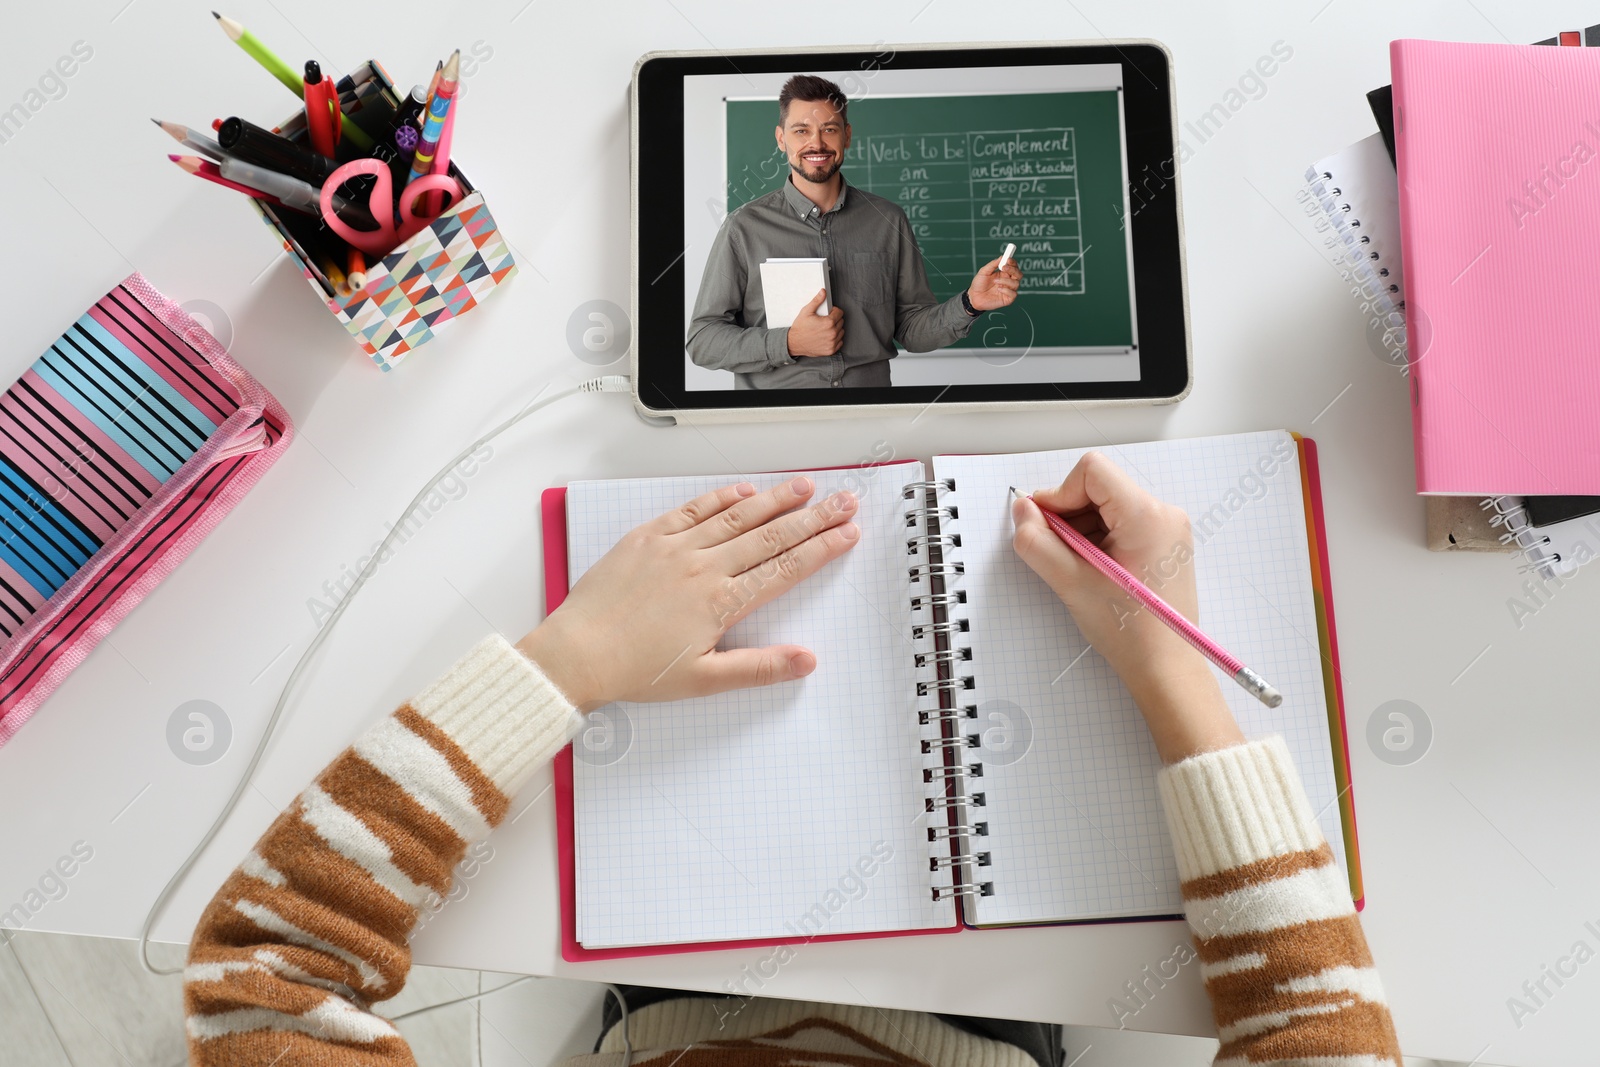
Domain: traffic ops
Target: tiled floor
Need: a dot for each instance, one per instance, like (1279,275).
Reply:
(86,1002)
(76,1001)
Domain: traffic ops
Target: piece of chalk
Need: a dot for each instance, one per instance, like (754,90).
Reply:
(1005,257)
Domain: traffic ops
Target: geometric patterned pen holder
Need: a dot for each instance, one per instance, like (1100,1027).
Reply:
(442,272)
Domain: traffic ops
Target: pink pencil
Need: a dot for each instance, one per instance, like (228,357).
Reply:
(441,159)
(202,168)
(1252,682)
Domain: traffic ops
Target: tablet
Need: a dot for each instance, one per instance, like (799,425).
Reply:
(993,226)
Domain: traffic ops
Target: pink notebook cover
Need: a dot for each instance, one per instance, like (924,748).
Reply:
(553,523)
(1498,153)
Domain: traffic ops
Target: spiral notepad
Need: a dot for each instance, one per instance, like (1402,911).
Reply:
(1555,550)
(1359,201)
(960,755)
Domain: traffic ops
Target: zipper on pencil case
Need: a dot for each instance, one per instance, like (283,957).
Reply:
(253,439)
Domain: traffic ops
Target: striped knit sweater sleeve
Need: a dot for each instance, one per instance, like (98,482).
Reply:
(311,930)
(1281,950)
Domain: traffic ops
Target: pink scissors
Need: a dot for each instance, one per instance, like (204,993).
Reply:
(388,234)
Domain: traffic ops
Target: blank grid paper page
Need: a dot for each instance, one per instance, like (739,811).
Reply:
(793,810)
(1075,825)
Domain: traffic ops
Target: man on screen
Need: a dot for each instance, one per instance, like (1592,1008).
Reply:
(880,286)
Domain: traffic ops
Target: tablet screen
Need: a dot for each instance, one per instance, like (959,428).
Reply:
(908,223)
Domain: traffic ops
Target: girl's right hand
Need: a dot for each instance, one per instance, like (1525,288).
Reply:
(1171,682)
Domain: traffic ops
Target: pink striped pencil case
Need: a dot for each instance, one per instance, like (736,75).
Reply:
(120,448)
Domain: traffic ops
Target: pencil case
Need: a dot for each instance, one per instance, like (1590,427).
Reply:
(438,274)
(120,448)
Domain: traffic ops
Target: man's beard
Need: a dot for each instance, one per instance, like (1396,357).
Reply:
(800,169)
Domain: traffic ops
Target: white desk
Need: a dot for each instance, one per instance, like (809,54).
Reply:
(1477,874)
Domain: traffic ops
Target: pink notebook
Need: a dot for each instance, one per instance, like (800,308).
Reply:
(1498,152)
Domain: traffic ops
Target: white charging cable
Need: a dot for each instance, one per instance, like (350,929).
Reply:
(610,383)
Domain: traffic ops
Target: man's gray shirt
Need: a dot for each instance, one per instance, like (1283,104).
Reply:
(876,274)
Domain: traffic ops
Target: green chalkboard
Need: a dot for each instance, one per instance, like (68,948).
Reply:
(1043,170)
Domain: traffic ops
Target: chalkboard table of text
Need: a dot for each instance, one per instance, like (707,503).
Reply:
(967,194)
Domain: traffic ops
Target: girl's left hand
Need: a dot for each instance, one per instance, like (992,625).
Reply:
(643,623)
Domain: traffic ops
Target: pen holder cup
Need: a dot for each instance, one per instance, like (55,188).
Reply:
(439,273)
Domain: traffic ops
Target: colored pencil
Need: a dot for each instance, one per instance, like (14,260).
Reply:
(433,82)
(358,269)
(335,276)
(202,168)
(193,139)
(282,71)
(433,123)
(433,204)
(259,52)
(1252,682)
(421,116)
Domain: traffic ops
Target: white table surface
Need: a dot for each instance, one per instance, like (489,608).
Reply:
(1477,858)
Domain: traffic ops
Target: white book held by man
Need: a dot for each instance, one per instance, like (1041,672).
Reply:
(788,285)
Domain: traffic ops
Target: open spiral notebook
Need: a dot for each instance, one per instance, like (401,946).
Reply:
(960,756)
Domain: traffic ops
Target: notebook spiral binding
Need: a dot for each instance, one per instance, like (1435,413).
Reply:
(1507,514)
(1359,262)
(954,767)
(1365,262)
